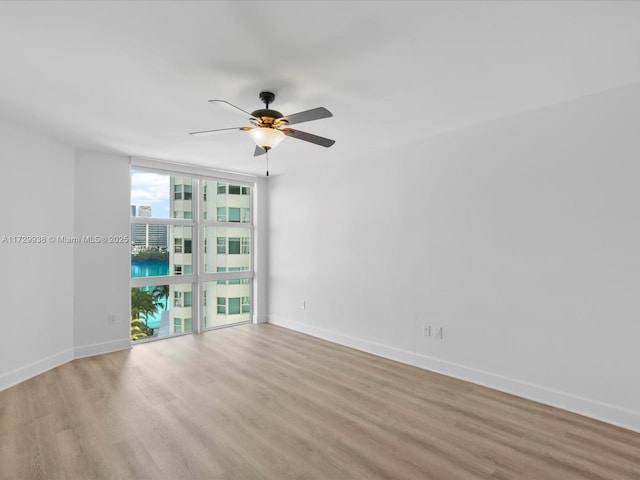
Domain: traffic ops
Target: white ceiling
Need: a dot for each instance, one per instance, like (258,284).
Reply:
(135,77)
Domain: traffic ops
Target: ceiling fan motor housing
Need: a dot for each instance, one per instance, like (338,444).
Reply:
(268,117)
(266,113)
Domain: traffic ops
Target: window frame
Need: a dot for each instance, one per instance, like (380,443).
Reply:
(198,277)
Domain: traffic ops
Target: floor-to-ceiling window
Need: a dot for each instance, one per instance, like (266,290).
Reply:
(191,252)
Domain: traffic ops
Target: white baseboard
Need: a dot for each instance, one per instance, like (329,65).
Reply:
(33,369)
(612,414)
(100,348)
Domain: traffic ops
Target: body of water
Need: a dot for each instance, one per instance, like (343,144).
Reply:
(151,269)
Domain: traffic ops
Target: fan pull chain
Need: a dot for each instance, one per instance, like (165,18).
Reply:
(267,154)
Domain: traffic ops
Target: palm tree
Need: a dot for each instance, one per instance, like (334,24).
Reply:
(142,304)
(161,292)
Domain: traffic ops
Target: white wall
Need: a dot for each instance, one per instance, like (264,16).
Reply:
(102,270)
(37,287)
(57,296)
(519,237)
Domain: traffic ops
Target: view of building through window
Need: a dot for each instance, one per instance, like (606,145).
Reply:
(168,255)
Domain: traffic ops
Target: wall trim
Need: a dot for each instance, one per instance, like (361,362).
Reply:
(100,348)
(33,369)
(613,414)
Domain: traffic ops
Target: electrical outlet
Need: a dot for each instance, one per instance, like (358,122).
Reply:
(111,319)
(439,333)
(427,330)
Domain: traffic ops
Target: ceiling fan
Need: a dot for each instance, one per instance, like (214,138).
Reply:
(270,127)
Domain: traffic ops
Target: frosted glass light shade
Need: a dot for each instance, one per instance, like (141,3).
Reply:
(266,137)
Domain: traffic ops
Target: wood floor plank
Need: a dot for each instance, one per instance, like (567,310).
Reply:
(259,402)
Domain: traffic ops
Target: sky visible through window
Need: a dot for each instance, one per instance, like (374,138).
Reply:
(151,189)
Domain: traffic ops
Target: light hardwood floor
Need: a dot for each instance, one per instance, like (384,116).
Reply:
(262,402)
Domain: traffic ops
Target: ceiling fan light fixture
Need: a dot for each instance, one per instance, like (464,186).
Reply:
(266,137)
